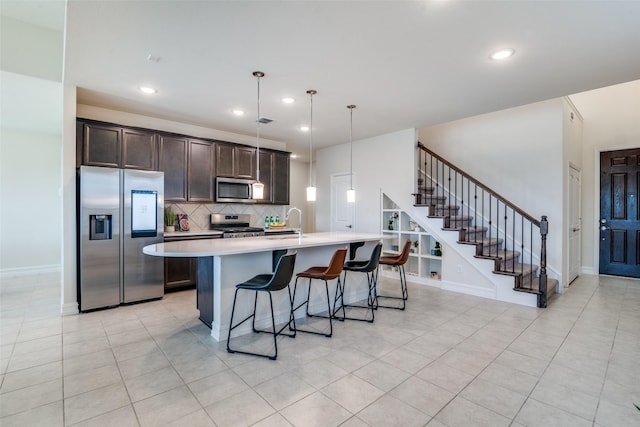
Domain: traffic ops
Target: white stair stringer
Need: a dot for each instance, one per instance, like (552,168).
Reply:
(500,286)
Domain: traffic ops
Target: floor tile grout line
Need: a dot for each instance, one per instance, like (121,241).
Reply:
(502,352)
(613,342)
(554,355)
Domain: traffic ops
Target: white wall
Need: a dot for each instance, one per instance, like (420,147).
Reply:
(299,179)
(519,154)
(30,50)
(385,162)
(611,122)
(30,193)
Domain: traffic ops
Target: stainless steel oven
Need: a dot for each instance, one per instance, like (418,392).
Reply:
(234,190)
(234,225)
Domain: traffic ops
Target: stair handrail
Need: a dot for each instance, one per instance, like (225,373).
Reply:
(541,224)
(481,185)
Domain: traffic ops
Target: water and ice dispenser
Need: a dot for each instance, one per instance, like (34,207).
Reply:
(100,227)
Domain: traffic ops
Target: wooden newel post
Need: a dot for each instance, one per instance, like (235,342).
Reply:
(544,230)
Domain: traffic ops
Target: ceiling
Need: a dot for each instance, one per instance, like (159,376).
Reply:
(405,64)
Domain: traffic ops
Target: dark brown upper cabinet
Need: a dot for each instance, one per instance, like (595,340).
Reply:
(266,174)
(102,145)
(234,161)
(245,162)
(117,147)
(139,150)
(201,175)
(174,152)
(280,176)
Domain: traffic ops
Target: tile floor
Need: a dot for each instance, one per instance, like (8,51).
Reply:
(448,360)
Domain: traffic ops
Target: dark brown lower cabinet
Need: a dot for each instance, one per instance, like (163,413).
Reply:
(179,273)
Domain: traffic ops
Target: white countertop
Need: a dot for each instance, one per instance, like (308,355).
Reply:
(216,247)
(192,233)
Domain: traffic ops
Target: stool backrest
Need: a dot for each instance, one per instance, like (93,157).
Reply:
(404,255)
(335,266)
(284,272)
(375,257)
(373,261)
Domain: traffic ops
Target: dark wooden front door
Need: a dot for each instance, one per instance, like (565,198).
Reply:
(620,213)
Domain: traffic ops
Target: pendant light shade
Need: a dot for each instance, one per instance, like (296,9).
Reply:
(258,187)
(311,194)
(351,193)
(257,190)
(311,190)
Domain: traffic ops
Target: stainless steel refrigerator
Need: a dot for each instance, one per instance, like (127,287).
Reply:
(120,211)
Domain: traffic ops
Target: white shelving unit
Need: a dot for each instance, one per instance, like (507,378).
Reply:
(398,226)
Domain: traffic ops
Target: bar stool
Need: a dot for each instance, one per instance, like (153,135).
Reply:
(369,267)
(333,271)
(266,283)
(397,261)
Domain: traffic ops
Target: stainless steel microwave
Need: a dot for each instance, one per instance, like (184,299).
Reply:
(234,190)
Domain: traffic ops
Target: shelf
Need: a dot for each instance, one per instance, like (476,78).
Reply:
(421,264)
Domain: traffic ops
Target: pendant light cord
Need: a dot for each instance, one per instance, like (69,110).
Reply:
(258,135)
(311,138)
(351,107)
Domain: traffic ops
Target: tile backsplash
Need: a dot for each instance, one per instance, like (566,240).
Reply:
(199,213)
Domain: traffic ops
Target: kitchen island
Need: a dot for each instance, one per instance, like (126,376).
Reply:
(223,263)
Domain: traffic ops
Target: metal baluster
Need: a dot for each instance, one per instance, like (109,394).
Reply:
(490,222)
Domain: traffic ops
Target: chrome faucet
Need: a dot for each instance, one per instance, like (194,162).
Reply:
(299,218)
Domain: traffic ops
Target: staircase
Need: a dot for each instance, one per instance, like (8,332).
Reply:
(499,230)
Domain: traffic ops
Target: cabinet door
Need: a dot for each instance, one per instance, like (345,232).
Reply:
(173,162)
(266,175)
(245,162)
(179,272)
(280,184)
(200,171)
(101,145)
(225,160)
(139,150)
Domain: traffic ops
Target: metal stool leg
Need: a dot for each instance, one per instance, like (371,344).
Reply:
(306,302)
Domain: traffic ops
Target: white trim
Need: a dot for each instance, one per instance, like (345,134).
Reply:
(69,308)
(587,270)
(8,273)
(462,288)
(567,231)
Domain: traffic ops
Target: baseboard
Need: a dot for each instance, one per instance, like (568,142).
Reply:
(8,273)
(69,309)
(468,289)
(587,270)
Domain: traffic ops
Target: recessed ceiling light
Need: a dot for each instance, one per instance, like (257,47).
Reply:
(304,128)
(148,90)
(288,100)
(293,156)
(238,112)
(502,54)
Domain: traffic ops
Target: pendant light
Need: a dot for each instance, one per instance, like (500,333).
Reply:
(258,187)
(351,193)
(311,190)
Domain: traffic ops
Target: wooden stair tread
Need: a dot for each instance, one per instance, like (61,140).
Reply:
(534,289)
(502,255)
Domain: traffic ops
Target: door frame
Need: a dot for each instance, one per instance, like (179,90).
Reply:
(332,206)
(578,169)
(596,201)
